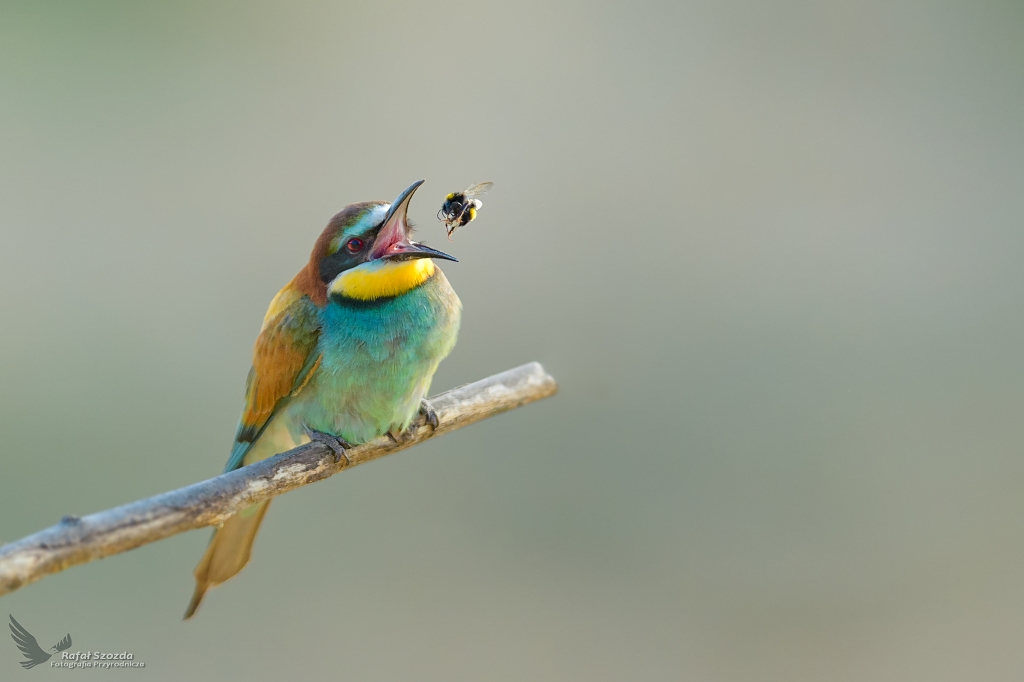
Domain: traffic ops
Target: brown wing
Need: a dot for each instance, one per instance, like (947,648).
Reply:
(283,361)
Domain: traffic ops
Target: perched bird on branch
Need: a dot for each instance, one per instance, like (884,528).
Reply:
(346,354)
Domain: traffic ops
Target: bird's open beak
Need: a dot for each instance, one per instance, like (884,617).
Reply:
(393,241)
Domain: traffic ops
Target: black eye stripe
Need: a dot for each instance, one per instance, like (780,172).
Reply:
(348,255)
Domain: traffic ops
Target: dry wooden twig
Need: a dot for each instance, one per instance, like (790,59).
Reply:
(79,540)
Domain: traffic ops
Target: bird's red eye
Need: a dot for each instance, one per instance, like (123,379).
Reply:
(354,245)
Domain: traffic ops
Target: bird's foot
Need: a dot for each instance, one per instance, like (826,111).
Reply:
(428,412)
(336,444)
(429,417)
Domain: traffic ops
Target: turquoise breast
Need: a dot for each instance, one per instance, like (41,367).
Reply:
(378,360)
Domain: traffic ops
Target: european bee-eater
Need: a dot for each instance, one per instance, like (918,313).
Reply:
(346,353)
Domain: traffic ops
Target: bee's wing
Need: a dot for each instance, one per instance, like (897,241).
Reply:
(478,190)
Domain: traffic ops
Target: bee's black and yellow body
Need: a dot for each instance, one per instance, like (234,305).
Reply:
(460,208)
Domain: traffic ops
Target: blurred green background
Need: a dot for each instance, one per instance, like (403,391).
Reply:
(771,251)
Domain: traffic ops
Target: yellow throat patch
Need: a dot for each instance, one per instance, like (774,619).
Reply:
(383,281)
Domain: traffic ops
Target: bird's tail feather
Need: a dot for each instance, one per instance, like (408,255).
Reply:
(227,553)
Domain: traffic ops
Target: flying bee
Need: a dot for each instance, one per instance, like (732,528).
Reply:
(460,208)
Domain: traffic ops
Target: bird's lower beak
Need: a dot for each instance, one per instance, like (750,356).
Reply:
(393,241)
(414,250)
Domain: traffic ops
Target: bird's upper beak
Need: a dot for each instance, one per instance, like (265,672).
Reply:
(393,241)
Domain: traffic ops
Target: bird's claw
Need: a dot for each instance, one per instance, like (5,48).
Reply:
(429,416)
(428,412)
(336,444)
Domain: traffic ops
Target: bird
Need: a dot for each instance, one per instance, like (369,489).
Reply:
(346,353)
(30,648)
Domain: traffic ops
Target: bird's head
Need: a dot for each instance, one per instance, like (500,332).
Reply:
(366,252)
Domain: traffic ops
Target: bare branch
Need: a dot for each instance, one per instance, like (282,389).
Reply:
(79,540)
